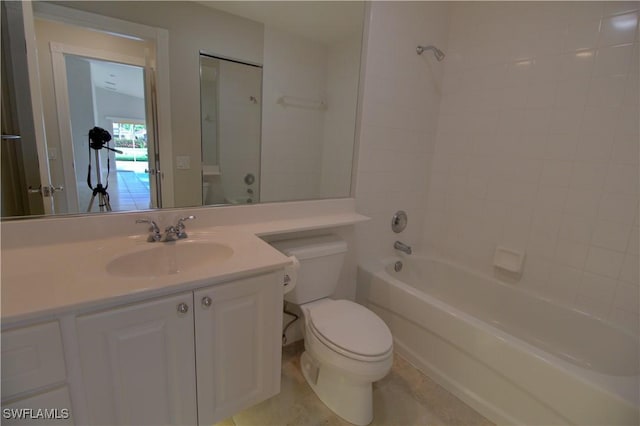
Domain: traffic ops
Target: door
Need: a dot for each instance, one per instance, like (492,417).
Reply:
(113,92)
(26,184)
(238,345)
(138,363)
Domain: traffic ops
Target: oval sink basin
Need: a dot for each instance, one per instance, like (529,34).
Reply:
(168,258)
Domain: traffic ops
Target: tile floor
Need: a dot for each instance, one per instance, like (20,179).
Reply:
(131,191)
(404,397)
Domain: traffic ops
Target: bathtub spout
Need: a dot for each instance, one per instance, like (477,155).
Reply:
(398,245)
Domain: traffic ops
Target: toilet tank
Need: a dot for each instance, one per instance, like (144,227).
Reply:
(321,260)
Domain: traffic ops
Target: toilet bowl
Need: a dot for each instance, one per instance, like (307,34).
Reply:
(347,347)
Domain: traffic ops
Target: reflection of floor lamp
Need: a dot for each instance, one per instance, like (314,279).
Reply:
(98,139)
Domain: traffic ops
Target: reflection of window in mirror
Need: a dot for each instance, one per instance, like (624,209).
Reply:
(130,137)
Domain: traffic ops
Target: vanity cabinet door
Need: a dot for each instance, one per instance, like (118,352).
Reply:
(238,345)
(138,363)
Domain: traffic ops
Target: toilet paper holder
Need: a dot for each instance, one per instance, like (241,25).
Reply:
(290,279)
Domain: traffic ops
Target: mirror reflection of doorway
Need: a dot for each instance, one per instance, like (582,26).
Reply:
(109,95)
(105,80)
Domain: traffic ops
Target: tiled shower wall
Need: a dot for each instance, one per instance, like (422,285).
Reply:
(537,149)
(399,117)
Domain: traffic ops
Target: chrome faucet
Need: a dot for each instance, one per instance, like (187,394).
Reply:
(398,245)
(154,231)
(171,233)
(176,232)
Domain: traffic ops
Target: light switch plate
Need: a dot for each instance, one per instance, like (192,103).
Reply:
(183,162)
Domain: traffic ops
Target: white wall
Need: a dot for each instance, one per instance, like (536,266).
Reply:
(291,136)
(82,119)
(537,149)
(118,105)
(399,117)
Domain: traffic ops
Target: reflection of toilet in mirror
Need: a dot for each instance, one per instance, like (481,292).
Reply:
(347,347)
(211,185)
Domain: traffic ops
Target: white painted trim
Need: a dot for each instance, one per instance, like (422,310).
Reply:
(93,21)
(163,104)
(151,113)
(61,95)
(125,120)
(160,37)
(104,55)
(357,134)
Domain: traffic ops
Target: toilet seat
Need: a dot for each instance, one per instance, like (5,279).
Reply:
(351,330)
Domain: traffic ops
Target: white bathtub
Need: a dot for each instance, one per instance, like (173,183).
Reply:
(516,358)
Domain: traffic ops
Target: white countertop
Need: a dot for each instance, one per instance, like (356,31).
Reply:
(41,282)
(55,279)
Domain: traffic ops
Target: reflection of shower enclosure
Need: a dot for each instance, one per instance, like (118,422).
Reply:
(230,101)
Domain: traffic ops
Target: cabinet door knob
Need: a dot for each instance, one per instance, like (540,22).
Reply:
(183,308)
(206,301)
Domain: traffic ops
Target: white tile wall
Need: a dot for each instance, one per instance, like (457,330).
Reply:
(291,137)
(399,115)
(294,138)
(537,146)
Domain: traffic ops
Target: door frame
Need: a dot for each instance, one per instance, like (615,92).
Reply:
(160,38)
(58,50)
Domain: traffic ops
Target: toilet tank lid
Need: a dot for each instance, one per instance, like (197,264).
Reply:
(305,248)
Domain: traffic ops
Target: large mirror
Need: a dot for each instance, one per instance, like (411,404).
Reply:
(205,103)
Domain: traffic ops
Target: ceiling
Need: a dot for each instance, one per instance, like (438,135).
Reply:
(322,21)
(120,78)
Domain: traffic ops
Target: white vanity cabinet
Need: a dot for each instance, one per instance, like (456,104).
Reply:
(142,363)
(238,345)
(138,363)
(34,376)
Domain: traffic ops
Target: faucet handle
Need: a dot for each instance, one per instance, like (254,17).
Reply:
(153,229)
(180,226)
(183,219)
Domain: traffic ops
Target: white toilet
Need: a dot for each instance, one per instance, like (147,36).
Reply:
(347,347)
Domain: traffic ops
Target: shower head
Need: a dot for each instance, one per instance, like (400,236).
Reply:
(439,54)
